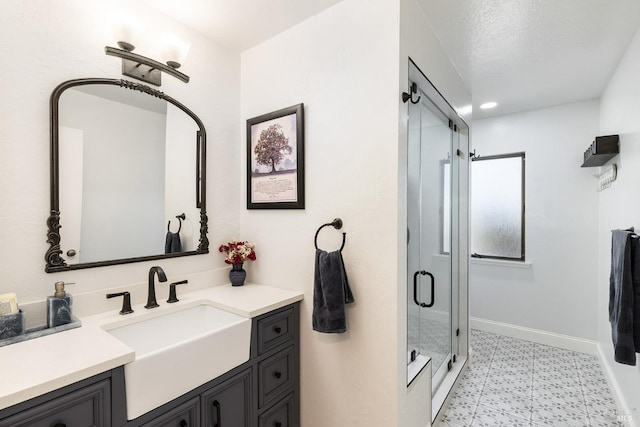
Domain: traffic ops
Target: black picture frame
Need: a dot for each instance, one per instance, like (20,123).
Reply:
(275,175)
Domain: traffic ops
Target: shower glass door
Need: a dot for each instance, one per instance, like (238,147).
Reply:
(431,239)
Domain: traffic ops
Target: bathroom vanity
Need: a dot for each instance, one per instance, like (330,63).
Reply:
(261,392)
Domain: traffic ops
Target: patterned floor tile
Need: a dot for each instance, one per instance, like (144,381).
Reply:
(448,421)
(471,394)
(562,420)
(461,411)
(473,374)
(515,388)
(510,367)
(595,387)
(608,420)
(489,417)
(515,405)
(568,383)
(513,383)
(599,404)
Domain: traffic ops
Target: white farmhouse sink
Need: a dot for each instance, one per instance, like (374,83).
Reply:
(179,351)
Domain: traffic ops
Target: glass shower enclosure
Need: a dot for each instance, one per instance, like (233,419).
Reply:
(433,253)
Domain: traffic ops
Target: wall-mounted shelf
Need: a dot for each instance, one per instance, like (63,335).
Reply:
(603,149)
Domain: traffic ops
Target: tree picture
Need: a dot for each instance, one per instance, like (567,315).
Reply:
(272,146)
(275,159)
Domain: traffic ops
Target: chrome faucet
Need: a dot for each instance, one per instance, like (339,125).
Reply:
(151,296)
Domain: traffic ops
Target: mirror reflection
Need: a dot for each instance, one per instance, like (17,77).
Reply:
(127,164)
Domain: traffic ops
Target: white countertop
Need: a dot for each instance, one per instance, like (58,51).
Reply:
(38,366)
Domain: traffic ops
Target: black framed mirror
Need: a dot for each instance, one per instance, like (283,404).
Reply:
(124,158)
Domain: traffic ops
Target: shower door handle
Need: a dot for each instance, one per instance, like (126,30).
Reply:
(415,288)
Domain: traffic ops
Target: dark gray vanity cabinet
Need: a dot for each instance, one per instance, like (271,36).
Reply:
(86,403)
(262,392)
(275,350)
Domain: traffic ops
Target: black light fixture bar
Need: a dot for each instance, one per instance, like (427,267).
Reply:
(142,68)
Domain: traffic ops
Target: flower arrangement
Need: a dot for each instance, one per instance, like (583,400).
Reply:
(238,252)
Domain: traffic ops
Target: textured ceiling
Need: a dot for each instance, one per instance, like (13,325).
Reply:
(524,54)
(240,24)
(528,54)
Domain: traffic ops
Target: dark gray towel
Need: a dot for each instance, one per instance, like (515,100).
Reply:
(635,273)
(331,292)
(621,294)
(172,243)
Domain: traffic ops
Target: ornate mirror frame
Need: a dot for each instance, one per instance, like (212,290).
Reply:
(54,261)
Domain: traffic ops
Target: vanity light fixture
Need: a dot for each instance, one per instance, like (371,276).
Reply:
(140,67)
(488,105)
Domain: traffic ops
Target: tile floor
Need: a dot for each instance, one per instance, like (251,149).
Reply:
(513,383)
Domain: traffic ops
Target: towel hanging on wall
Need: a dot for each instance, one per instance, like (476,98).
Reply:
(331,290)
(624,295)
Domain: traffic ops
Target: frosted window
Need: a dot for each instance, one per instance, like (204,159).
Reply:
(497,210)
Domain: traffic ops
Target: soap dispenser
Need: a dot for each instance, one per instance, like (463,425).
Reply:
(59,306)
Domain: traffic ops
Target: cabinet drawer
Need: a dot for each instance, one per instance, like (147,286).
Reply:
(88,406)
(185,415)
(275,377)
(275,330)
(281,415)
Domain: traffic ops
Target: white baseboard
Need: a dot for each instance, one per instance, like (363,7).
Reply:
(536,335)
(629,415)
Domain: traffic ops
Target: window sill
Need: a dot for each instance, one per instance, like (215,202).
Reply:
(501,263)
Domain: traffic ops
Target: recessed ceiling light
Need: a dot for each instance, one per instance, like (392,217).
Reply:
(488,105)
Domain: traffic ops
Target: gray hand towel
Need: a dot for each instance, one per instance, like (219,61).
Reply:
(621,296)
(172,243)
(331,292)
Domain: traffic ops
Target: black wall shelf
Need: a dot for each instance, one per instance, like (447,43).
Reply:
(603,149)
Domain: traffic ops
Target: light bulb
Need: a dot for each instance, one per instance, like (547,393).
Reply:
(174,51)
(126,31)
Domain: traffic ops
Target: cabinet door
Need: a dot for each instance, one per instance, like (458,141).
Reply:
(88,406)
(229,404)
(185,415)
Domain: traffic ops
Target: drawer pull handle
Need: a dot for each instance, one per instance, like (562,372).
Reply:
(183,423)
(277,424)
(277,374)
(216,405)
(277,329)
(60,425)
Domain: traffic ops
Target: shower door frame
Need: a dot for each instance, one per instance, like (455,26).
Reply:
(459,206)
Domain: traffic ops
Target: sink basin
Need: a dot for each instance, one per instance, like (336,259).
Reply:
(178,351)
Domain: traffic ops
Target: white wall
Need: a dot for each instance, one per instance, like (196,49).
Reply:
(619,207)
(558,293)
(341,64)
(50,42)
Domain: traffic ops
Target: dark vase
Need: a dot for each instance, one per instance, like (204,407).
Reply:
(237,275)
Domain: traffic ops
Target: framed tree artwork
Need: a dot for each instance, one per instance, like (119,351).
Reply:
(275,160)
